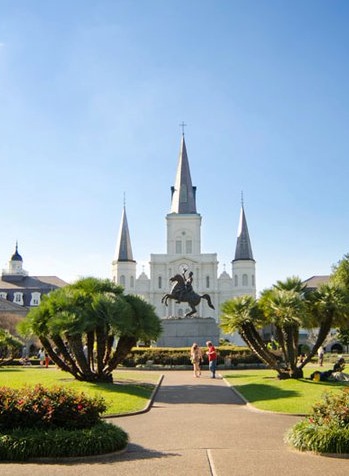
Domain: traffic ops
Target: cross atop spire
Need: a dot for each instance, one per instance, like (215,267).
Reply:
(182,125)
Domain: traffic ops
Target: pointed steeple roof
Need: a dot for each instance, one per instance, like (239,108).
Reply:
(243,250)
(123,247)
(183,192)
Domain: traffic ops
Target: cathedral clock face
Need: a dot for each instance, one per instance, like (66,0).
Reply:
(183,267)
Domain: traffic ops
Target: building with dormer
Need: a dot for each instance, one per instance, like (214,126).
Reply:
(20,289)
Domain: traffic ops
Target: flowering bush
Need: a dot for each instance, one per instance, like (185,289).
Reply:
(334,410)
(326,430)
(41,407)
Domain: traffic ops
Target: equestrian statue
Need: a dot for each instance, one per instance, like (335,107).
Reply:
(182,291)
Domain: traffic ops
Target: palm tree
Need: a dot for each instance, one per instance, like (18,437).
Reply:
(287,307)
(88,327)
(328,306)
(284,307)
(244,315)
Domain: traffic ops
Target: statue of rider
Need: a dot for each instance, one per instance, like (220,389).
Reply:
(187,287)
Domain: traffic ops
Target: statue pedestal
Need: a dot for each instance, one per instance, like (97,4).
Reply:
(183,332)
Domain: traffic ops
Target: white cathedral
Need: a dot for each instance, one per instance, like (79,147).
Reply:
(184,252)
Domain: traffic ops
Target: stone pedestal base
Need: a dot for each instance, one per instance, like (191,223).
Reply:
(182,332)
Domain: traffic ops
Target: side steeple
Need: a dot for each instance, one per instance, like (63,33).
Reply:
(123,265)
(183,200)
(243,264)
(243,250)
(123,250)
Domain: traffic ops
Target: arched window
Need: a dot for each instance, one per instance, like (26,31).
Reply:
(122,280)
(253,280)
(236,280)
(207,281)
(132,282)
(160,282)
(244,280)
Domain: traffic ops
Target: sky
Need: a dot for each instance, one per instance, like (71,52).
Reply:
(92,93)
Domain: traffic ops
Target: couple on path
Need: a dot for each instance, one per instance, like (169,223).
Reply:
(196,359)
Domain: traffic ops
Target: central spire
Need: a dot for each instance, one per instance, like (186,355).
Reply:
(183,192)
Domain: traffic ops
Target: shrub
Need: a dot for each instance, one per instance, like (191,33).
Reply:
(48,408)
(181,356)
(326,430)
(22,444)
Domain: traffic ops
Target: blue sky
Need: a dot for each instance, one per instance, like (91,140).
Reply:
(91,97)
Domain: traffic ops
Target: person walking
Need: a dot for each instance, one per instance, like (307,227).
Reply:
(320,354)
(196,358)
(212,358)
(41,356)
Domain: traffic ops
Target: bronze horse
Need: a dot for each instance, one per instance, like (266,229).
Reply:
(180,293)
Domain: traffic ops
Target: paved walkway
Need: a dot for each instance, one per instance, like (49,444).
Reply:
(197,427)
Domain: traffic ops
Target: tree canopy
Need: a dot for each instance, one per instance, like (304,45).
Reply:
(286,307)
(87,328)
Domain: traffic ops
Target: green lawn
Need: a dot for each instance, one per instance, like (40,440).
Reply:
(129,393)
(265,391)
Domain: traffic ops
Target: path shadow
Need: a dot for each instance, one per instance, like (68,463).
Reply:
(197,394)
(132,453)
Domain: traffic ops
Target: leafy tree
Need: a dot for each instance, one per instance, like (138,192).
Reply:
(343,337)
(340,272)
(287,307)
(9,347)
(89,327)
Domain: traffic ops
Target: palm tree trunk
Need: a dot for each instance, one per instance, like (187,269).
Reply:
(75,342)
(101,340)
(55,355)
(256,344)
(123,347)
(90,344)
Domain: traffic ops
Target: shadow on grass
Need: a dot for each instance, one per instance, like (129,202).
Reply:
(11,369)
(256,392)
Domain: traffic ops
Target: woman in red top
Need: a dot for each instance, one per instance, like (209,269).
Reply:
(212,358)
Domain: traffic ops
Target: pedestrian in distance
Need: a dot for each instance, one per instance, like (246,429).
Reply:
(212,358)
(41,356)
(320,354)
(196,359)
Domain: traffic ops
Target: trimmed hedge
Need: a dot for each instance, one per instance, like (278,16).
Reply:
(169,356)
(25,443)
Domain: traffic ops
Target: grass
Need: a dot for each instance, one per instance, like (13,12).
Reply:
(129,393)
(265,391)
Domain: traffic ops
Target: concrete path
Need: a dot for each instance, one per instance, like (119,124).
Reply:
(199,427)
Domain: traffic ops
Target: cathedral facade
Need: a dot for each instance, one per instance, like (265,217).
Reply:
(184,253)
